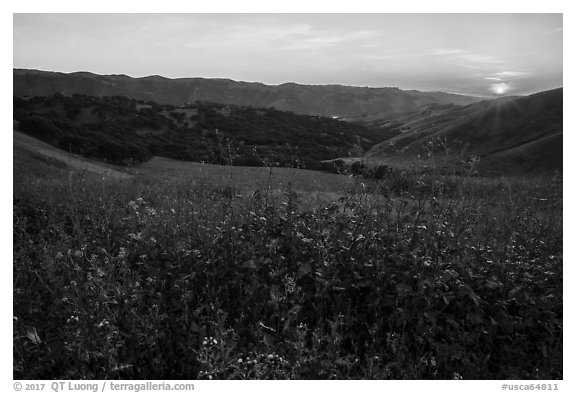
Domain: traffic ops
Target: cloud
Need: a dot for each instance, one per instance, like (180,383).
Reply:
(502,76)
(288,31)
(478,59)
(466,59)
(265,36)
(512,74)
(314,40)
(444,52)
(226,36)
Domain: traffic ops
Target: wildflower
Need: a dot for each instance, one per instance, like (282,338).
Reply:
(290,284)
(78,253)
(137,236)
(73,318)
(122,253)
(59,255)
(240,360)
(204,342)
(102,323)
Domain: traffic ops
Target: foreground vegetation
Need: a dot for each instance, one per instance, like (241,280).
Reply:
(411,276)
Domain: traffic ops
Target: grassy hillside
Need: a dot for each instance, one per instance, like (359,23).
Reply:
(124,131)
(541,155)
(168,274)
(495,131)
(28,149)
(326,100)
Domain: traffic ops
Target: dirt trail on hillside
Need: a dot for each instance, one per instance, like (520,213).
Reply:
(34,145)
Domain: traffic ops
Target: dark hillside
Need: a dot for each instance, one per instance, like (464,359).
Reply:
(125,131)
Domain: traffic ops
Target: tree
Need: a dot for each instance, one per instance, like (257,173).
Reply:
(358,167)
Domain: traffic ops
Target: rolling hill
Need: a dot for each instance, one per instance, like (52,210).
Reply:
(34,157)
(324,100)
(508,135)
(30,151)
(124,131)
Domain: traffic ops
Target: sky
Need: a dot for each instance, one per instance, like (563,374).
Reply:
(474,54)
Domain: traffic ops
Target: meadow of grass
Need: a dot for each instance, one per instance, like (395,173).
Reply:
(176,275)
(243,178)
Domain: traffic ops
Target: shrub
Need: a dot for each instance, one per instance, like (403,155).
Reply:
(358,168)
(378,172)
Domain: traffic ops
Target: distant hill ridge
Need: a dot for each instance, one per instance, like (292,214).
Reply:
(324,100)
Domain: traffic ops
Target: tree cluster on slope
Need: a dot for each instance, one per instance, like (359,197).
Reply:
(122,130)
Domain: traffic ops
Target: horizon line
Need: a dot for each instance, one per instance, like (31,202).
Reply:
(475,95)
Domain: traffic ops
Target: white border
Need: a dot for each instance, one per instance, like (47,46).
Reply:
(248,6)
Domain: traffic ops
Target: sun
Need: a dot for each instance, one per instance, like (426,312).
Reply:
(500,88)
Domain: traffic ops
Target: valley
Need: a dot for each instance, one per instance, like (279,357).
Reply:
(505,136)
